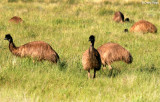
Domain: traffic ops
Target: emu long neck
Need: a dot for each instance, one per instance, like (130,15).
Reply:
(92,44)
(12,47)
(91,50)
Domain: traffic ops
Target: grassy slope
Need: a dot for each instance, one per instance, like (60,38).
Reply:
(67,28)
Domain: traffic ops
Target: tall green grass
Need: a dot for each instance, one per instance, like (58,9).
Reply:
(66,27)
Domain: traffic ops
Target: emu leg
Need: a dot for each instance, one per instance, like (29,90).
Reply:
(89,75)
(94,76)
(104,67)
(122,21)
(33,61)
(110,68)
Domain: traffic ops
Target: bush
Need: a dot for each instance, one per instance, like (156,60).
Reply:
(40,0)
(55,1)
(12,0)
(70,1)
(27,0)
(104,11)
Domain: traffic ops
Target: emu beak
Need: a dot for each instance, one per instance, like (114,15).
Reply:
(5,38)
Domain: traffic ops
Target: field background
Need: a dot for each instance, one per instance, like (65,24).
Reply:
(66,26)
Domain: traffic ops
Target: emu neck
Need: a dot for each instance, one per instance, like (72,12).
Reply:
(92,44)
(91,48)
(12,47)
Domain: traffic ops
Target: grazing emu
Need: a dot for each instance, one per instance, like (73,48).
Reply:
(38,50)
(91,58)
(111,52)
(16,19)
(143,26)
(119,17)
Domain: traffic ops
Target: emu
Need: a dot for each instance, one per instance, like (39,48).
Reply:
(37,50)
(16,19)
(119,17)
(91,58)
(143,26)
(111,52)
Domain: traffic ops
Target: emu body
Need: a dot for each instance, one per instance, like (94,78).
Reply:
(16,19)
(38,50)
(111,52)
(91,59)
(143,26)
(119,17)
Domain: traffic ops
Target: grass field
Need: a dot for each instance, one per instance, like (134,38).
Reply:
(66,26)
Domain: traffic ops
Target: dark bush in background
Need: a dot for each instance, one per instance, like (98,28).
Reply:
(13,0)
(50,1)
(27,0)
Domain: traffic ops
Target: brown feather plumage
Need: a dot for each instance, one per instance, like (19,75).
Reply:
(111,52)
(143,26)
(118,17)
(16,19)
(91,60)
(38,50)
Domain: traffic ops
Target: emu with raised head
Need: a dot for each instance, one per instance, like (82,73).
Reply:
(38,50)
(91,58)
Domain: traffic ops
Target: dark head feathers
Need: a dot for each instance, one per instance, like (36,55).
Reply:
(125,30)
(8,37)
(126,20)
(92,38)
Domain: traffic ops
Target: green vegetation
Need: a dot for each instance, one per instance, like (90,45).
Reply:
(66,26)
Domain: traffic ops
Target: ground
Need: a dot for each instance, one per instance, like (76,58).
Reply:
(66,26)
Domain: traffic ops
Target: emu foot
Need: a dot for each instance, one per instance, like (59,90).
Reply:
(110,73)
(104,68)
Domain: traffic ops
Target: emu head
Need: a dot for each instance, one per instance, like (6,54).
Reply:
(126,20)
(8,37)
(92,39)
(125,30)
(130,59)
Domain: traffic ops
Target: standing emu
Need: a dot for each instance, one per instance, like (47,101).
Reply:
(38,50)
(16,19)
(119,17)
(111,52)
(91,58)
